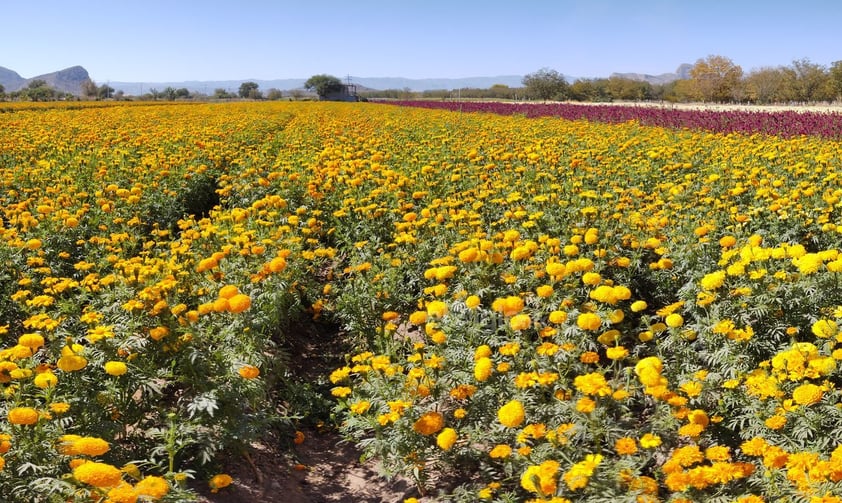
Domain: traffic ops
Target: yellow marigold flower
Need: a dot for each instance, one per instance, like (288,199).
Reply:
(718,453)
(59,407)
(520,322)
(650,441)
(340,391)
(713,280)
(585,405)
(592,384)
(239,303)
(122,493)
(32,341)
(580,473)
(446,439)
(97,474)
(544,291)
(674,320)
(153,487)
(429,423)
(89,446)
(500,451)
(220,481)
(115,368)
(360,407)
(616,353)
(508,306)
(71,363)
(511,414)
(588,321)
(248,371)
(824,329)
(23,415)
(472,302)
(436,309)
(807,394)
(558,317)
(45,380)
(541,479)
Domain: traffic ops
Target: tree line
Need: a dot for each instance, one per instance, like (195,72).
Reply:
(714,79)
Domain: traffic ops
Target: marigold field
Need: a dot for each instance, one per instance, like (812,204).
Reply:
(541,309)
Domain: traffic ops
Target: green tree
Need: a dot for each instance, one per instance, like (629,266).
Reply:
(105,91)
(835,76)
(323,84)
(716,78)
(766,85)
(808,81)
(546,84)
(274,94)
(89,89)
(250,90)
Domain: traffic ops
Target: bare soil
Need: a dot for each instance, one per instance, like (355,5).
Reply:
(324,468)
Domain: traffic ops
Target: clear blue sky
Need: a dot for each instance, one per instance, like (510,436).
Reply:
(178,40)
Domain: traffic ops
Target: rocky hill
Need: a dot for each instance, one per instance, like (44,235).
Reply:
(683,72)
(69,80)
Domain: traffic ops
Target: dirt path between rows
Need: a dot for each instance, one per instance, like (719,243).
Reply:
(324,467)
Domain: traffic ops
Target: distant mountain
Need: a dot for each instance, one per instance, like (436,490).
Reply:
(682,73)
(377,83)
(68,80)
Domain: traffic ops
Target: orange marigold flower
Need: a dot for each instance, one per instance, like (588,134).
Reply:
(248,371)
(220,481)
(23,415)
(625,446)
(429,423)
(239,303)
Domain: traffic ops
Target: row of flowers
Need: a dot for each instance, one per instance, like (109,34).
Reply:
(786,123)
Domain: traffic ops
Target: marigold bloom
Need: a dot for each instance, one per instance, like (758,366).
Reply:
(446,439)
(153,487)
(32,341)
(122,493)
(511,414)
(588,321)
(97,474)
(429,423)
(89,446)
(541,479)
(23,415)
(249,371)
(220,481)
(45,380)
(500,451)
(115,368)
(228,291)
(520,322)
(239,303)
(674,320)
(436,309)
(807,394)
(625,446)
(650,441)
(71,363)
